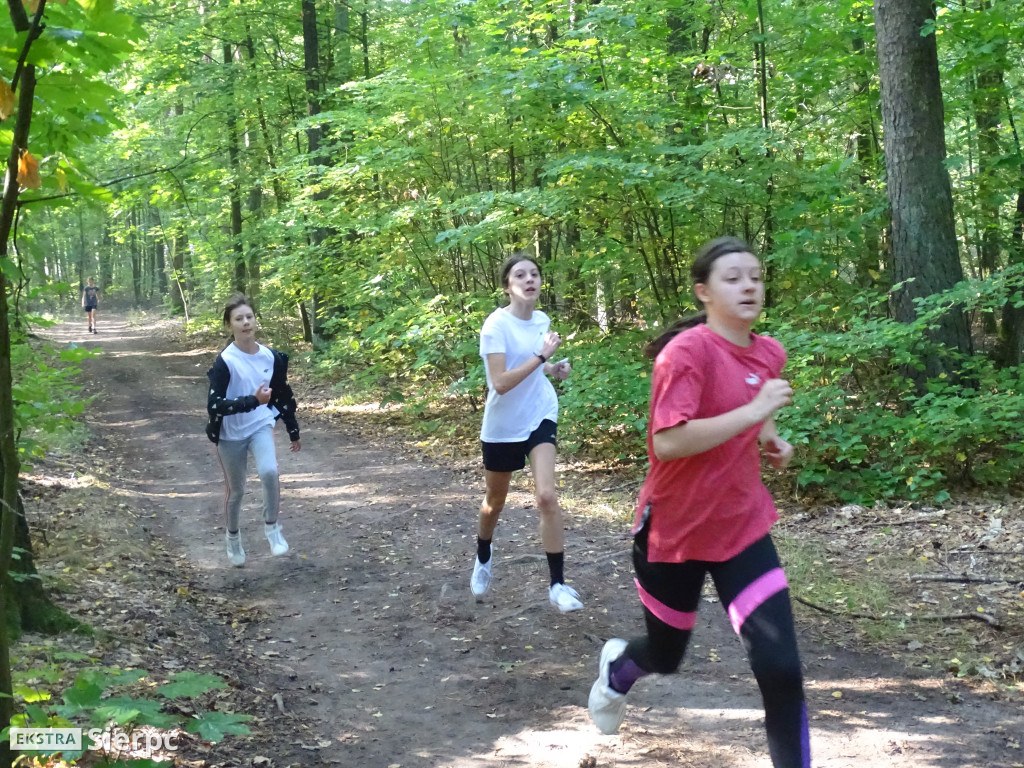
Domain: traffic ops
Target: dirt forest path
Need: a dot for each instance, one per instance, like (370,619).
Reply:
(379,656)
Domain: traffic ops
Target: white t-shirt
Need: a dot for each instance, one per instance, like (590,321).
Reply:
(510,418)
(247,373)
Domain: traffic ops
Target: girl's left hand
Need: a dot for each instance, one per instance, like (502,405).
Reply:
(295,446)
(778,452)
(561,369)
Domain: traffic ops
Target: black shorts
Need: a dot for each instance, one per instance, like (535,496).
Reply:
(90,307)
(510,457)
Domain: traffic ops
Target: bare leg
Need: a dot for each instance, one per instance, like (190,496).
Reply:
(493,503)
(542,464)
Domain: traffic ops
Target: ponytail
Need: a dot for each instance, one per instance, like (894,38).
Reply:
(655,346)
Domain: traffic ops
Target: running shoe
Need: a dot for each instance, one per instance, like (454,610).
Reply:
(607,707)
(564,598)
(278,546)
(234,546)
(481,579)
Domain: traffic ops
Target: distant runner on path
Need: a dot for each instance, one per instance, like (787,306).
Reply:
(704,508)
(91,300)
(520,422)
(243,411)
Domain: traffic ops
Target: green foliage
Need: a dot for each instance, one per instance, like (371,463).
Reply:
(93,699)
(214,726)
(47,407)
(612,138)
(187,684)
(603,404)
(863,429)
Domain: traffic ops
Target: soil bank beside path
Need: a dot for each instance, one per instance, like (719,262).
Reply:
(379,657)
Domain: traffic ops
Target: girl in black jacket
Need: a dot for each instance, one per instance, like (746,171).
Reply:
(243,411)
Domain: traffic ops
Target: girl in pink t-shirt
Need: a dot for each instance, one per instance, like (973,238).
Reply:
(703,508)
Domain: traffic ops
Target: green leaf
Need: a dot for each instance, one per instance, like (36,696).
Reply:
(188,684)
(81,697)
(214,726)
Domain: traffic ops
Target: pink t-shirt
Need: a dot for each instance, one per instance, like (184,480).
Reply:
(713,505)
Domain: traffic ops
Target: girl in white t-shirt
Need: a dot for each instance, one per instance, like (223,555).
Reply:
(520,421)
(249,392)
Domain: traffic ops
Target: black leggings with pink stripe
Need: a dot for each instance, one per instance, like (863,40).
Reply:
(754,592)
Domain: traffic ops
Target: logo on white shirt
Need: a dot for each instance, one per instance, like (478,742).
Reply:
(753,379)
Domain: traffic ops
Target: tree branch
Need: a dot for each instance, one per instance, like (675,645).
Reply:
(976,616)
(34,31)
(968,579)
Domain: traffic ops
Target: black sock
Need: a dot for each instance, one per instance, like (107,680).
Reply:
(483,550)
(556,564)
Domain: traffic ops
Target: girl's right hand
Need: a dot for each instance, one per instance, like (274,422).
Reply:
(263,393)
(775,394)
(551,342)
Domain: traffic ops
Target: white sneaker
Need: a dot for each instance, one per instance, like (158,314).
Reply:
(278,546)
(607,707)
(564,598)
(234,546)
(480,582)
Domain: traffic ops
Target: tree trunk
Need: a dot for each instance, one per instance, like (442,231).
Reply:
(106,263)
(136,257)
(760,50)
(179,242)
(8,448)
(987,99)
(924,248)
(34,611)
(311,59)
(1011,335)
(240,277)
(870,267)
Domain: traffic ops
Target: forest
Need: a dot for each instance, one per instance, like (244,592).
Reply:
(362,168)
(365,168)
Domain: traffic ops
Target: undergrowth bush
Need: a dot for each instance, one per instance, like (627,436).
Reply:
(46,394)
(52,694)
(867,429)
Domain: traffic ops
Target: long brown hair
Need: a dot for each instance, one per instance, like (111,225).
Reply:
(700,272)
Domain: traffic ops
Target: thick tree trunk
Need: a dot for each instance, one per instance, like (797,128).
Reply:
(34,611)
(924,247)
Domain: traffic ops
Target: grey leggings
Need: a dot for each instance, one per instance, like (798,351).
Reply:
(233,459)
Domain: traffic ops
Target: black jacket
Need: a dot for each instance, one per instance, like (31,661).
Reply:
(218,406)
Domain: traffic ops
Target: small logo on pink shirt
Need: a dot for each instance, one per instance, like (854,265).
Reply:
(753,379)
